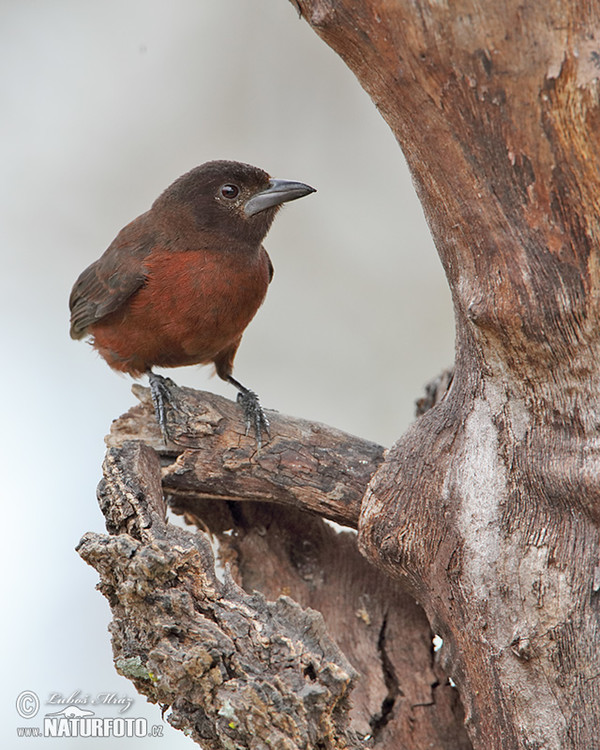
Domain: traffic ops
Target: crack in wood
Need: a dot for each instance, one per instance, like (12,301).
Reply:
(391,682)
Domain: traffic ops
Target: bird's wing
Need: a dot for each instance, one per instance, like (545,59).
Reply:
(109,282)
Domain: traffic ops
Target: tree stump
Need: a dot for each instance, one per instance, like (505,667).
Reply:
(336,656)
(485,512)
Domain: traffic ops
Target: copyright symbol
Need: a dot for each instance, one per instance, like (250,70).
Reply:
(28,704)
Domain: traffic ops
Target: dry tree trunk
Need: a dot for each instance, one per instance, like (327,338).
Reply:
(488,506)
(486,510)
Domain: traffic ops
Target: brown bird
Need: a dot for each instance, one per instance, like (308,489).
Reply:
(179,285)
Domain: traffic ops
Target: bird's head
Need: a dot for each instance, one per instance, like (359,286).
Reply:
(231,198)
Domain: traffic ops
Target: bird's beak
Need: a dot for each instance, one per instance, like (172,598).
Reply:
(279,191)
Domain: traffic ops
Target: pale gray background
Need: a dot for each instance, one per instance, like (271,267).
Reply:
(103,104)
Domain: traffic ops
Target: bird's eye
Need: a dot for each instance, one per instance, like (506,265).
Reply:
(230,191)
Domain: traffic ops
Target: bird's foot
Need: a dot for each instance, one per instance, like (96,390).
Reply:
(254,415)
(161,390)
(253,411)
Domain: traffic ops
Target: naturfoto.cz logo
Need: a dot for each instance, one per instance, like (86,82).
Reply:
(76,721)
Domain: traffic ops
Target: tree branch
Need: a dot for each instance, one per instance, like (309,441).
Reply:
(305,465)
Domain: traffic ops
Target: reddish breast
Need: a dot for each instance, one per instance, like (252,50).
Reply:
(193,305)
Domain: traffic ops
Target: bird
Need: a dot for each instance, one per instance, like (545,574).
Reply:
(180,283)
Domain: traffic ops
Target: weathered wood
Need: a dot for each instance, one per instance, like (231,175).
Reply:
(174,621)
(235,669)
(307,465)
(401,698)
(488,507)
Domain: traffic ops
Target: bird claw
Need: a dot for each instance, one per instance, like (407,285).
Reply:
(160,390)
(254,415)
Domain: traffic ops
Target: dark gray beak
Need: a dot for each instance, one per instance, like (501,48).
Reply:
(279,191)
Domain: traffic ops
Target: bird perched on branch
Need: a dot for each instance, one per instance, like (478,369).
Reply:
(179,285)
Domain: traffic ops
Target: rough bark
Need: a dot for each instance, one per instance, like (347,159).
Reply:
(488,506)
(247,661)
(221,659)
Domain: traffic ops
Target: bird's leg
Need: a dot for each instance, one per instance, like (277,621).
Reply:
(160,390)
(253,411)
